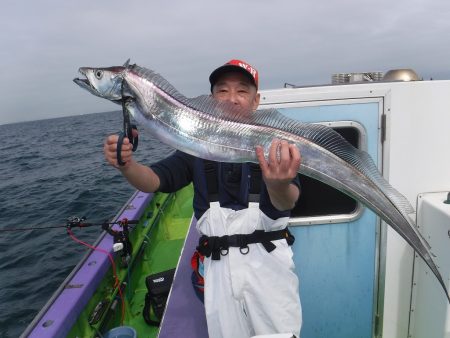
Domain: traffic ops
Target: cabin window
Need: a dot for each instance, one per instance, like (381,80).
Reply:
(320,203)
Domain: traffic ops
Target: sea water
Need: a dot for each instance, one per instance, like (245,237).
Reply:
(51,170)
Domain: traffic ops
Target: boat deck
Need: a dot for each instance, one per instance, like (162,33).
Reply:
(156,249)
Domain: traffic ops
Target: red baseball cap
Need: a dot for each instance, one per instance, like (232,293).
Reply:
(235,65)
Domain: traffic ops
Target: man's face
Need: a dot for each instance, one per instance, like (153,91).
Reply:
(236,88)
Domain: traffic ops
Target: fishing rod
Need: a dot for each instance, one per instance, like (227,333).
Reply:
(122,243)
(73,222)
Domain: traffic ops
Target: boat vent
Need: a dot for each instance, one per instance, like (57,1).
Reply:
(342,78)
(405,74)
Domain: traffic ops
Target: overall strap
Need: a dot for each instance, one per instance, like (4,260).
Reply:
(250,181)
(211,170)
(255,182)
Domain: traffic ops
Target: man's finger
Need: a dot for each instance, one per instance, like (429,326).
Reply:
(112,139)
(295,156)
(285,155)
(273,152)
(261,159)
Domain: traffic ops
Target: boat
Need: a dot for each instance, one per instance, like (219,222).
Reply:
(358,277)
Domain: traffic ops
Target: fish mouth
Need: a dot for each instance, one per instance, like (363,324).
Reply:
(84,82)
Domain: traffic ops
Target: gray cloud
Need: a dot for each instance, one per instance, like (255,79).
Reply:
(303,42)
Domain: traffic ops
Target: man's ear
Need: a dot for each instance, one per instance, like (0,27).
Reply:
(256,101)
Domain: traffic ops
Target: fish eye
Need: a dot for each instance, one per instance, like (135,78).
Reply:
(98,73)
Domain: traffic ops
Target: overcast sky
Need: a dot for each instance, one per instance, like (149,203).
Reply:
(43,43)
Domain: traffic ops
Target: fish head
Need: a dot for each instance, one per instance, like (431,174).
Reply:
(103,82)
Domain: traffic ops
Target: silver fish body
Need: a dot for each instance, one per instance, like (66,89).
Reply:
(220,132)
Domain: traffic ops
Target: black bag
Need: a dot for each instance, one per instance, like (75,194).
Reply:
(158,286)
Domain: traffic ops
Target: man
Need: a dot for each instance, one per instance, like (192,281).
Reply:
(250,285)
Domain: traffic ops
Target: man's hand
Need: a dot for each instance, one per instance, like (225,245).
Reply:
(141,177)
(278,172)
(110,150)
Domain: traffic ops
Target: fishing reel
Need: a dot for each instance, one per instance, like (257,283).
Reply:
(121,240)
(74,221)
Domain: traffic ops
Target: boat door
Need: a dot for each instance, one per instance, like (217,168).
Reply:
(336,251)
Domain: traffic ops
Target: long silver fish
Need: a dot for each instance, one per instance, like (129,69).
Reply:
(218,131)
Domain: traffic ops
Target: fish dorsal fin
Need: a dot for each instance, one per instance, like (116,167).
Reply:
(205,104)
(223,110)
(321,135)
(159,82)
(332,141)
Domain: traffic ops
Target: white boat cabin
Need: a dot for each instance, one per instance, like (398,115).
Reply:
(358,277)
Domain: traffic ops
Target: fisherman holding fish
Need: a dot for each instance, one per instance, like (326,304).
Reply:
(244,253)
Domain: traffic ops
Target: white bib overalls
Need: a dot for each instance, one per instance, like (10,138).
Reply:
(254,293)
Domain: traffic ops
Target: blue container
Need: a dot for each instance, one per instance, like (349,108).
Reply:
(121,332)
